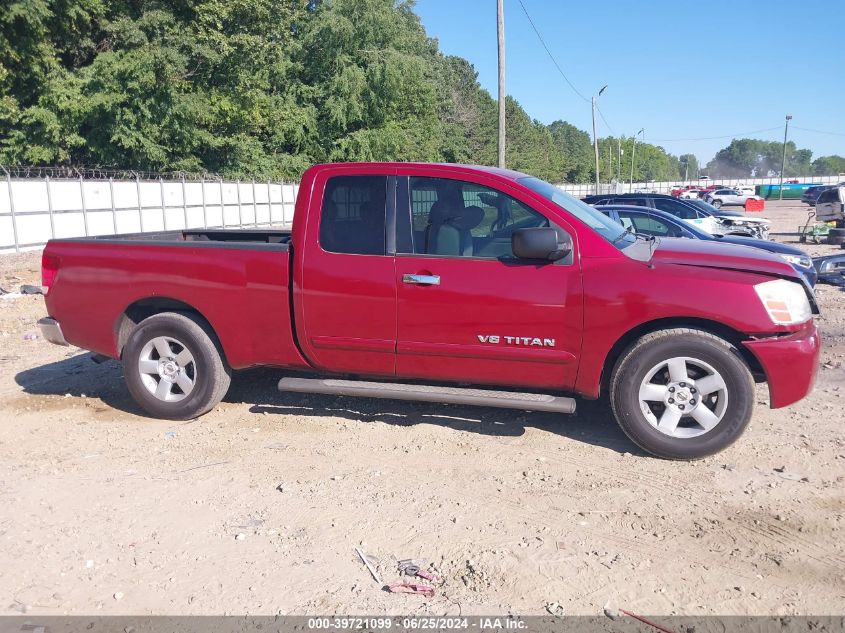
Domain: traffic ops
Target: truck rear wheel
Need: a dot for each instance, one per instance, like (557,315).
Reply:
(174,368)
(682,394)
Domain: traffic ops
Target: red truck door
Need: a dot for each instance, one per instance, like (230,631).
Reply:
(347,311)
(467,309)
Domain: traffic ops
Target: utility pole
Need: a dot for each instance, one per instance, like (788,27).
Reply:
(633,154)
(500,28)
(783,157)
(619,161)
(596,139)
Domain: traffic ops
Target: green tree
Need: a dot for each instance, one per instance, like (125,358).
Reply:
(829,165)
(746,157)
(258,88)
(687,167)
(577,150)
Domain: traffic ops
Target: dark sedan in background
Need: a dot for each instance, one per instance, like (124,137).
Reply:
(648,221)
(812,194)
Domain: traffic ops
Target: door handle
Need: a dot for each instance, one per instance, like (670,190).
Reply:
(421,280)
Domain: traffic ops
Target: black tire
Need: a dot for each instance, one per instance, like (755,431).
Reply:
(210,373)
(717,204)
(639,359)
(837,232)
(835,240)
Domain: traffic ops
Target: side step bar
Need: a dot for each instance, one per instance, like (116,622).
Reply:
(427,393)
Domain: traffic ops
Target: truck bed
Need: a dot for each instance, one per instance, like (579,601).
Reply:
(238,279)
(197,237)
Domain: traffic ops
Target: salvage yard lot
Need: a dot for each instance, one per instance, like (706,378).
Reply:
(257,507)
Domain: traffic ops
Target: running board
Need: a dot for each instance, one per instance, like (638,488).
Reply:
(428,393)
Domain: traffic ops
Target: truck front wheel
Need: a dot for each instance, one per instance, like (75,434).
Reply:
(682,393)
(173,368)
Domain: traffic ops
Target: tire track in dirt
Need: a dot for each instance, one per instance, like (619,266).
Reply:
(768,533)
(635,545)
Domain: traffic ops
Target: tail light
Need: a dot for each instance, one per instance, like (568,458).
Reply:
(49,268)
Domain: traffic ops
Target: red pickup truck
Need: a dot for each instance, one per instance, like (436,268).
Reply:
(433,282)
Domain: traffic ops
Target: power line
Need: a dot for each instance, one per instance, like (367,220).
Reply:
(659,140)
(609,127)
(710,138)
(552,57)
(808,129)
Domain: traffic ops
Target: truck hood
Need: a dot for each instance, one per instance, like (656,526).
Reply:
(713,254)
(766,245)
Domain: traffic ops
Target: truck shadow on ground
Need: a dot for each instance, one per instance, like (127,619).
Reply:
(78,376)
(593,423)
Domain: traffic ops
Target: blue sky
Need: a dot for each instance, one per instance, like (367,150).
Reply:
(681,70)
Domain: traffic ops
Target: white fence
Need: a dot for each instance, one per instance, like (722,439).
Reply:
(588,189)
(34,210)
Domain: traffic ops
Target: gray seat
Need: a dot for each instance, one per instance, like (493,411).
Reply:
(449,229)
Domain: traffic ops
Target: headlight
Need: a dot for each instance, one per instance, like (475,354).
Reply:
(785,301)
(798,260)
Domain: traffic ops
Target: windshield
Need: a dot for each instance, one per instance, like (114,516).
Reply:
(596,220)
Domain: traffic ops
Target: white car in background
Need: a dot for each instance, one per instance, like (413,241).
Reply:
(689,193)
(728,197)
(736,223)
(830,205)
(748,189)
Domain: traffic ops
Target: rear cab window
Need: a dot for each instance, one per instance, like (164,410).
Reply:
(352,219)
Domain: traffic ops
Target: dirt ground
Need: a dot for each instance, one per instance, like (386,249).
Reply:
(258,506)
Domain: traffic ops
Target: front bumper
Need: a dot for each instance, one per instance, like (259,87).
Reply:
(52,331)
(790,363)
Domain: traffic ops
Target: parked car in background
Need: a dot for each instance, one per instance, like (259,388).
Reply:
(728,197)
(677,191)
(747,189)
(693,211)
(690,193)
(679,208)
(830,205)
(811,195)
(655,222)
(736,223)
(703,191)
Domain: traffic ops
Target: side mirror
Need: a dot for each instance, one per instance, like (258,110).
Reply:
(540,243)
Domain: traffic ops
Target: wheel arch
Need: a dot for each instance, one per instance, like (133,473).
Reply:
(721,330)
(142,309)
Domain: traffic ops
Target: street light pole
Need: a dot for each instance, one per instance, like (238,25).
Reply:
(500,29)
(596,139)
(633,154)
(619,162)
(783,157)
